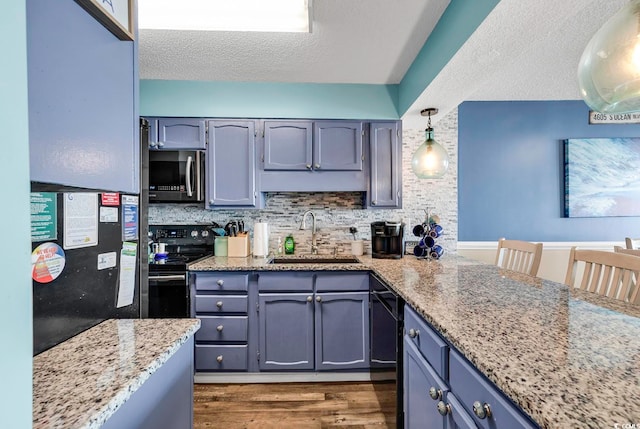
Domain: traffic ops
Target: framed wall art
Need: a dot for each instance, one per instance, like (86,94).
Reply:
(115,15)
(602,177)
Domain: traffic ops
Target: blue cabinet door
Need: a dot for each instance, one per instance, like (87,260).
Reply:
(337,145)
(420,409)
(385,177)
(231,171)
(342,330)
(286,331)
(288,145)
(178,133)
(83,100)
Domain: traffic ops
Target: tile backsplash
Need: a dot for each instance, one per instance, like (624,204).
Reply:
(337,211)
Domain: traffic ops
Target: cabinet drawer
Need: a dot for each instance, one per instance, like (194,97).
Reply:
(221,304)
(338,282)
(458,417)
(222,281)
(432,347)
(286,282)
(420,382)
(470,387)
(221,358)
(222,328)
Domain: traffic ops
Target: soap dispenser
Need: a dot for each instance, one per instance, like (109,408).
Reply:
(289,245)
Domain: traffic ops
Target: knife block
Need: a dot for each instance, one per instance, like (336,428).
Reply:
(238,247)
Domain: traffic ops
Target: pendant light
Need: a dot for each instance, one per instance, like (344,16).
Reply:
(430,161)
(609,70)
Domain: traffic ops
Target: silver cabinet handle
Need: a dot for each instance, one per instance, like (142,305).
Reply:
(374,202)
(220,282)
(219,359)
(219,304)
(219,328)
(152,144)
(308,166)
(318,298)
(160,144)
(414,332)
(309,299)
(481,410)
(443,408)
(435,394)
(316,166)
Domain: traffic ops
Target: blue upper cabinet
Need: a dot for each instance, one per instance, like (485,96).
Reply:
(288,145)
(231,164)
(178,133)
(385,176)
(83,100)
(337,145)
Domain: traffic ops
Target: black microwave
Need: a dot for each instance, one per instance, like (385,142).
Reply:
(176,176)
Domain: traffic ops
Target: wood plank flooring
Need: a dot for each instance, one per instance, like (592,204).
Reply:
(353,405)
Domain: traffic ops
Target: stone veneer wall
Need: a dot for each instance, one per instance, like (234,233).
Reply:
(337,211)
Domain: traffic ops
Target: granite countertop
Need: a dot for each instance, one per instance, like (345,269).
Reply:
(570,359)
(81,382)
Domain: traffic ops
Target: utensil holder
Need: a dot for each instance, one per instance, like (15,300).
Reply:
(238,247)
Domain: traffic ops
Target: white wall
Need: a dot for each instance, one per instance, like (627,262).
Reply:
(555,255)
(15,252)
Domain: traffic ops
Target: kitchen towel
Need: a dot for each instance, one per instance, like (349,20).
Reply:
(261,239)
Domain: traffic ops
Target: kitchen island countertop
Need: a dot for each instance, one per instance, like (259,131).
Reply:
(83,381)
(568,358)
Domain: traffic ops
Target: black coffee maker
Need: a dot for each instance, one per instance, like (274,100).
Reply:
(387,240)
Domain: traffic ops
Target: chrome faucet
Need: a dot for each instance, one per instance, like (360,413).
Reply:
(303,225)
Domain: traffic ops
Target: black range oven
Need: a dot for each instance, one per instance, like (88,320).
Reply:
(386,336)
(169,287)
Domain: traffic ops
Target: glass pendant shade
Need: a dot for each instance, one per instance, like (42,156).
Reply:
(430,161)
(609,70)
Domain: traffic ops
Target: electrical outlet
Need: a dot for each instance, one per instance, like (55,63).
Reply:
(408,247)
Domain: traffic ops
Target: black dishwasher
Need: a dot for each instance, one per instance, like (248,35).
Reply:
(386,336)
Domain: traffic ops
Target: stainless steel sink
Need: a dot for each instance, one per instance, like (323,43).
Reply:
(316,260)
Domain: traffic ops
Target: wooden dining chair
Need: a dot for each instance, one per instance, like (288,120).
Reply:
(632,243)
(620,249)
(611,274)
(520,256)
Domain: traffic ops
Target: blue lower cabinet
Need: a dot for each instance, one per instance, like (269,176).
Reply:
(221,357)
(485,403)
(342,330)
(286,331)
(221,301)
(457,416)
(468,399)
(423,391)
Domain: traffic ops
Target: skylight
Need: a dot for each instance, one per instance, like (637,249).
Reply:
(226,15)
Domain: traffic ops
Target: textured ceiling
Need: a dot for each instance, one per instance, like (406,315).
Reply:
(353,41)
(524,50)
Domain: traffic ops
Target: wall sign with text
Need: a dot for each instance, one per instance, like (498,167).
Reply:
(115,15)
(613,118)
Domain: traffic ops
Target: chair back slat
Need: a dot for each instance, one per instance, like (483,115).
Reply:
(519,256)
(611,274)
(632,243)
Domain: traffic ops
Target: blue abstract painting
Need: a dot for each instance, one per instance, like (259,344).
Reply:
(602,177)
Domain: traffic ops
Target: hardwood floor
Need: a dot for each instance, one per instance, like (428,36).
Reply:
(295,405)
